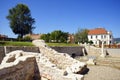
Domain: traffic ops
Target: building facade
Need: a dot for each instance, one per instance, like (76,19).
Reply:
(98,35)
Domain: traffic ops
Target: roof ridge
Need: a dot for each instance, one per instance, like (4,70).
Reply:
(97,31)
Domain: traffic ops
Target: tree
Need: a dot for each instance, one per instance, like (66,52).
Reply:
(46,37)
(20,19)
(81,35)
(27,38)
(55,36)
(64,37)
(58,36)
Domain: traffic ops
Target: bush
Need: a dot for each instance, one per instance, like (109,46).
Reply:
(27,38)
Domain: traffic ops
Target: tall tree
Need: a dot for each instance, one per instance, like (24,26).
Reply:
(20,19)
(55,36)
(45,37)
(59,36)
(81,35)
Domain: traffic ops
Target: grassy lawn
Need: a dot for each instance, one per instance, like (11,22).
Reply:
(62,44)
(15,43)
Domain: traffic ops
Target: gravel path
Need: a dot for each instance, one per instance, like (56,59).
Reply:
(102,73)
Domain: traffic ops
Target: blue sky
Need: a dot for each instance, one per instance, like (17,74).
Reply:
(66,15)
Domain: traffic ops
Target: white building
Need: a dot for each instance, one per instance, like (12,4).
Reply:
(100,34)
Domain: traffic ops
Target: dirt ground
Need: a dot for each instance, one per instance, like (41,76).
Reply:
(105,69)
(102,73)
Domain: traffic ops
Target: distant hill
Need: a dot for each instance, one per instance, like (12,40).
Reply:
(117,40)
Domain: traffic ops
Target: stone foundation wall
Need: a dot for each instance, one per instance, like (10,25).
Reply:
(21,69)
(2,54)
(46,65)
(6,49)
(63,67)
(24,48)
(20,65)
(91,50)
(78,51)
(61,60)
(114,52)
(70,50)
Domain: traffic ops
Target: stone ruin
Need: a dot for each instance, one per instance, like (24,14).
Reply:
(46,65)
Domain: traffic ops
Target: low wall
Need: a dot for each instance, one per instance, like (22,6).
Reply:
(91,50)
(46,65)
(24,48)
(6,49)
(20,65)
(78,51)
(21,69)
(2,54)
(113,52)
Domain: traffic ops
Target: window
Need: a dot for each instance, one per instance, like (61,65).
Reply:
(101,36)
(110,42)
(104,36)
(110,36)
(91,37)
(96,36)
(104,42)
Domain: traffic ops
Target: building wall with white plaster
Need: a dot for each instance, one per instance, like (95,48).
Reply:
(107,38)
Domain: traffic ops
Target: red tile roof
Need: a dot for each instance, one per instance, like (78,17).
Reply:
(97,31)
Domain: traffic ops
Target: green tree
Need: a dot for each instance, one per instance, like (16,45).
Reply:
(64,37)
(20,19)
(55,35)
(81,35)
(46,37)
(27,38)
(58,36)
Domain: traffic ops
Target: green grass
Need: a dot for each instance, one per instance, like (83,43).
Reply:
(62,44)
(15,43)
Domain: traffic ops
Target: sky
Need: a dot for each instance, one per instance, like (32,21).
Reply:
(66,15)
